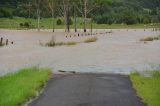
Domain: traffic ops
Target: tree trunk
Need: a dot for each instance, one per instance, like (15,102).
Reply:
(53,20)
(75,20)
(85,14)
(68,18)
(65,14)
(38,19)
(91,27)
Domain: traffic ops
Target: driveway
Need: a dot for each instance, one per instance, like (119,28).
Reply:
(88,90)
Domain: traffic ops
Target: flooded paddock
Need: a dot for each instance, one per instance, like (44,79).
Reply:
(118,52)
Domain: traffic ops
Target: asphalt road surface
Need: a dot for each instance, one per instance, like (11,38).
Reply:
(88,90)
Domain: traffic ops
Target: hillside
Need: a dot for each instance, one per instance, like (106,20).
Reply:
(119,11)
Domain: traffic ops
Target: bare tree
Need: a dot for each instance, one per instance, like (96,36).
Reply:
(38,12)
(85,7)
(64,8)
(75,18)
(52,6)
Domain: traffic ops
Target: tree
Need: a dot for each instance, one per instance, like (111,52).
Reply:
(86,6)
(52,4)
(64,8)
(129,17)
(40,7)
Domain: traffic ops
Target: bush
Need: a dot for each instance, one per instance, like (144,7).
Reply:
(59,22)
(155,19)
(147,19)
(21,24)
(70,21)
(129,17)
(26,25)
(5,13)
(101,19)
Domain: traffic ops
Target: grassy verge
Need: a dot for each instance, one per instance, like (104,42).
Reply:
(148,88)
(17,88)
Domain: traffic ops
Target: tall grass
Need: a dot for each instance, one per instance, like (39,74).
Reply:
(92,39)
(17,88)
(147,87)
(149,38)
(70,43)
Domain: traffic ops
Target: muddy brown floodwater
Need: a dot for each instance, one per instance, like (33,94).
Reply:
(118,52)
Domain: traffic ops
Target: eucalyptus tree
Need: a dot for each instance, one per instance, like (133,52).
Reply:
(86,6)
(40,7)
(64,10)
(53,4)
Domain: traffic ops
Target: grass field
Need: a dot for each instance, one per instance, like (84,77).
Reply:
(148,88)
(47,24)
(17,88)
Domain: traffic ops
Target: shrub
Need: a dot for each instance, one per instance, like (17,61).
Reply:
(21,24)
(26,24)
(70,21)
(59,22)
(93,39)
(5,13)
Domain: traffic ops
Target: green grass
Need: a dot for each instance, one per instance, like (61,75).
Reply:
(148,88)
(17,88)
(92,39)
(47,23)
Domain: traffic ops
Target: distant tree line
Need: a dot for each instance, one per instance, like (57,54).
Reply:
(99,11)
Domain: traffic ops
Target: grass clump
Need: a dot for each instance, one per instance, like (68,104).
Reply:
(93,39)
(148,88)
(70,43)
(51,43)
(149,38)
(17,88)
(1,44)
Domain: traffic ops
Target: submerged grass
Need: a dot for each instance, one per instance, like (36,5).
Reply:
(93,39)
(148,88)
(150,38)
(70,43)
(17,88)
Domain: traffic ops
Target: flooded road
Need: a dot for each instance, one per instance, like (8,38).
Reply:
(118,52)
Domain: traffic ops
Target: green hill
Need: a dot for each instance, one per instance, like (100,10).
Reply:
(119,11)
